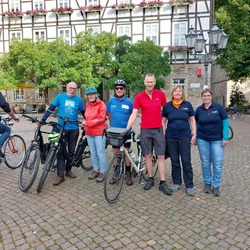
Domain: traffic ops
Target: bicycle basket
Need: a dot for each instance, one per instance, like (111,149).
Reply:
(116,136)
(53,137)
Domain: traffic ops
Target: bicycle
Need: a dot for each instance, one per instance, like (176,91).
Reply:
(14,148)
(36,152)
(238,115)
(115,175)
(56,142)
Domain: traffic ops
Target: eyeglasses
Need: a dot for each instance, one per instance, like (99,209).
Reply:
(206,96)
(119,88)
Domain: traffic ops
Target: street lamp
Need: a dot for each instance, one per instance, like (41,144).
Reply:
(197,46)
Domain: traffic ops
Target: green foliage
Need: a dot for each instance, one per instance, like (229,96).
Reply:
(237,97)
(234,16)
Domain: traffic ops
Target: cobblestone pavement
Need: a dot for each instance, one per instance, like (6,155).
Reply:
(75,214)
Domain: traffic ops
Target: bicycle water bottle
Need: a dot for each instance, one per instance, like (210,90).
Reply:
(133,156)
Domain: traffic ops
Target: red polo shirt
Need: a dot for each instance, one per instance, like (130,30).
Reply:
(150,108)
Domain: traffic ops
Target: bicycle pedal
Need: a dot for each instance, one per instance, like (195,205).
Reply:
(134,173)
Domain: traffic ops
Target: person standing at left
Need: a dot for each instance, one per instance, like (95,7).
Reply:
(180,135)
(68,104)
(94,124)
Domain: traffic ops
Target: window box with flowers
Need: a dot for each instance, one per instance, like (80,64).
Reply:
(12,13)
(181,2)
(62,11)
(177,50)
(91,8)
(123,6)
(151,4)
(36,12)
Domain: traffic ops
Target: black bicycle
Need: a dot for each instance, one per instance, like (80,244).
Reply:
(36,152)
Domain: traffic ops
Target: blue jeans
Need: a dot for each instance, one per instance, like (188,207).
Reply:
(212,158)
(5,132)
(180,148)
(97,147)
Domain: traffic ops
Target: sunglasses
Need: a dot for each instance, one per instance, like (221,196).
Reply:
(119,88)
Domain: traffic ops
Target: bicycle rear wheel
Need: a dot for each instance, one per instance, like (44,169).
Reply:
(86,161)
(155,168)
(14,150)
(29,168)
(240,115)
(114,178)
(230,133)
(48,165)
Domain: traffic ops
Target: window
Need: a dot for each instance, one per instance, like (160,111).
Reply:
(180,30)
(14,5)
(19,95)
(95,29)
(38,5)
(123,1)
(15,35)
(64,3)
(39,35)
(92,2)
(40,96)
(151,32)
(65,34)
(123,30)
(180,81)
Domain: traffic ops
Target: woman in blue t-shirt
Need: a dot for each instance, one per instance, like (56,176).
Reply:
(212,137)
(180,135)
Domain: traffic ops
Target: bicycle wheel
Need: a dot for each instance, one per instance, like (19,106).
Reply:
(229,114)
(14,150)
(29,168)
(86,161)
(230,133)
(155,168)
(48,165)
(114,178)
(240,115)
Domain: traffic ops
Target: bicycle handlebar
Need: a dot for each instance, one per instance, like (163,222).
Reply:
(65,118)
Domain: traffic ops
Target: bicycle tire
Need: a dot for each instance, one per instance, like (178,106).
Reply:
(29,168)
(155,168)
(240,116)
(115,172)
(86,160)
(48,165)
(231,133)
(14,150)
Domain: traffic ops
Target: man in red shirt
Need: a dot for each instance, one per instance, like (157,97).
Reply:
(151,101)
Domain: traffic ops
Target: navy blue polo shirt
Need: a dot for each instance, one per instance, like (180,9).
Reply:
(178,125)
(209,122)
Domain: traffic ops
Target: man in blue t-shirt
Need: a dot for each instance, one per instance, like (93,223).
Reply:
(68,104)
(119,109)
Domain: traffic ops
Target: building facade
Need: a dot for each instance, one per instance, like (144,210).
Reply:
(164,22)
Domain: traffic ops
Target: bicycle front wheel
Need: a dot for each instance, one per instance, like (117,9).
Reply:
(14,150)
(240,115)
(114,178)
(86,161)
(155,168)
(230,133)
(48,165)
(29,168)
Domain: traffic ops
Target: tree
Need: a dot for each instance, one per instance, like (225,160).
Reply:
(234,16)
(237,97)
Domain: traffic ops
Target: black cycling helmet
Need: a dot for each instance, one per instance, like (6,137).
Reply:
(120,83)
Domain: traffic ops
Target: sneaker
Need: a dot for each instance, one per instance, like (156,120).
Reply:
(175,187)
(190,191)
(149,184)
(1,154)
(70,174)
(129,180)
(165,189)
(216,191)
(58,180)
(94,174)
(100,177)
(207,188)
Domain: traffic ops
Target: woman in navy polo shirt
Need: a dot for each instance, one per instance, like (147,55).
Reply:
(212,136)
(180,135)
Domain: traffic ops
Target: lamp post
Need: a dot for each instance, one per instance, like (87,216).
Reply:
(197,46)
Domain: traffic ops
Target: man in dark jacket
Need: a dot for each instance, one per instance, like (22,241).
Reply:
(4,129)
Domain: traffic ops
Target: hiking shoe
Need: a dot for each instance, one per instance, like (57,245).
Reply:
(70,174)
(129,180)
(100,177)
(165,189)
(175,187)
(216,191)
(190,191)
(149,184)
(207,188)
(58,180)
(94,174)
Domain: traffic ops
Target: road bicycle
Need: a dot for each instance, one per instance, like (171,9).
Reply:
(116,171)
(238,115)
(81,155)
(14,148)
(35,154)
